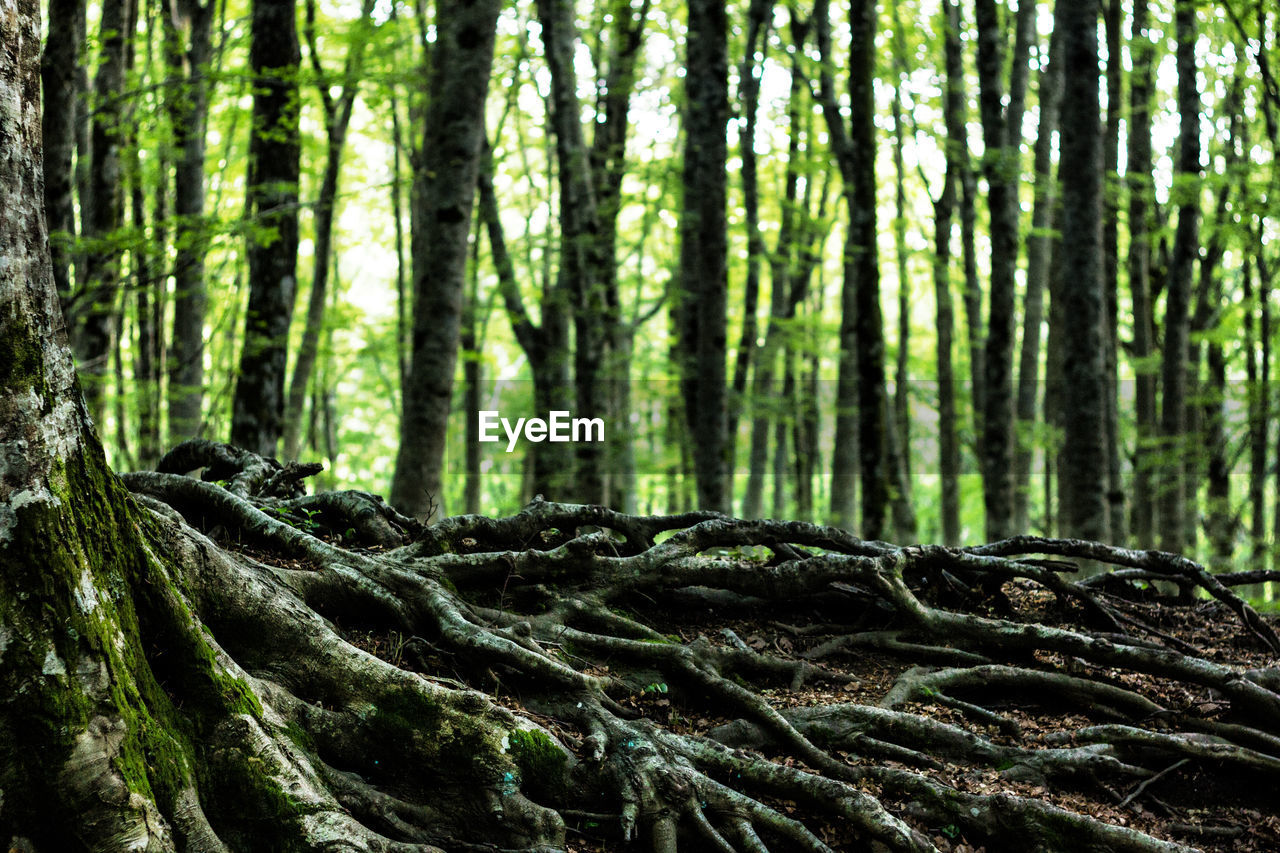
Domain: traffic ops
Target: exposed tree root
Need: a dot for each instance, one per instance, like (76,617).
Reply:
(540,681)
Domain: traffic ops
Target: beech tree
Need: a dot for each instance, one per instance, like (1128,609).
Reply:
(444,190)
(257,418)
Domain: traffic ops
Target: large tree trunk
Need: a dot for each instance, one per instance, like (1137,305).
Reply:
(704,251)
(1084,449)
(445,189)
(257,417)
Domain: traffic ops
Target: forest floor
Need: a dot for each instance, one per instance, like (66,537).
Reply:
(700,682)
(1170,805)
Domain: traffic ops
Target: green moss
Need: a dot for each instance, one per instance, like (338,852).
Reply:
(412,730)
(537,755)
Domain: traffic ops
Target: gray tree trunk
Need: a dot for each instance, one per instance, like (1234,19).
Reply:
(188,105)
(98,316)
(1084,449)
(257,416)
(337,117)
(1038,252)
(1113,17)
(1141,201)
(446,187)
(1186,246)
(749,73)
(704,250)
(58,134)
(1002,132)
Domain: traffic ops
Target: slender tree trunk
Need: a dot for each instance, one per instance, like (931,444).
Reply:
(1038,251)
(1084,449)
(944,211)
(957,122)
(187,101)
(257,417)
(446,187)
(899,433)
(337,118)
(1112,16)
(861,363)
(58,134)
(99,320)
(1141,201)
(1178,302)
(1002,132)
(780,269)
(758,14)
(1256,369)
(703,248)
(609,160)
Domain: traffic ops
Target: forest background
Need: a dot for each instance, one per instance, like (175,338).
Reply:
(928,272)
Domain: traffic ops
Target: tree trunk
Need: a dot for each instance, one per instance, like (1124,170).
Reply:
(758,14)
(1002,133)
(1084,449)
(188,105)
(337,117)
(445,188)
(955,115)
(257,417)
(58,134)
(703,249)
(99,316)
(1039,241)
(609,161)
(1173,418)
(582,252)
(1113,18)
(1138,174)
(763,397)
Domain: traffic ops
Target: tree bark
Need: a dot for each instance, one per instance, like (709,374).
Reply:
(1002,132)
(451,154)
(58,134)
(1173,419)
(257,418)
(861,363)
(582,252)
(1038,251)
(187,100)
(1113,17)
(1138,175)
(1084,449)
(99,318)
(749,72)
(703,288)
